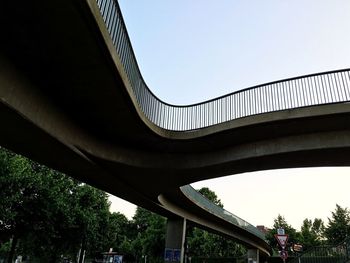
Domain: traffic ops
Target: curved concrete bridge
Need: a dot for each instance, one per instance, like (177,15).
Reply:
(72,97)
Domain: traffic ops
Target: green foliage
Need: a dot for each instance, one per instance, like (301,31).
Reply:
(211,195)
(150,238)
(204,244)
(338,227)
(314,233)
(47,214)
(311,233)
(201,243)
(280,222)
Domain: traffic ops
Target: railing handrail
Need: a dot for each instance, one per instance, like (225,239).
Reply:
(290,93)
(257,86)
(200,200)
(315,251)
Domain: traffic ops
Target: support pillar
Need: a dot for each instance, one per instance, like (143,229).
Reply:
(175,240)
(253,255)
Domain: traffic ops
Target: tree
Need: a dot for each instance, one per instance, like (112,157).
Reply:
(201,243)
(311,233)
(150,237)
(280,222)
(48,212)
(27,197)
(118,226)
(211,195)
(338,227)
(91,218)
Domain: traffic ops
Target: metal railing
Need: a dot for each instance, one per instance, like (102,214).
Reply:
(216,210)
(315,89)
(325,254)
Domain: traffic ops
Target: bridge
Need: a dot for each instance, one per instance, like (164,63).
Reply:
(73,98)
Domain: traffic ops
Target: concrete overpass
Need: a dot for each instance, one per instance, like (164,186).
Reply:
(72,97)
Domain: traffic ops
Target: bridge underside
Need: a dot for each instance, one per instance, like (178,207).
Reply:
(64,104)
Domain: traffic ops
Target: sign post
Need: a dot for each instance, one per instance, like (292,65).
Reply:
(282,239)
(284,255)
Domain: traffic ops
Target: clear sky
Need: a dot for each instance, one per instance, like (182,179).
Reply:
(190,51)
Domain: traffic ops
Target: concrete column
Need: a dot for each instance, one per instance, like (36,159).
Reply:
(175,240)
(253,255)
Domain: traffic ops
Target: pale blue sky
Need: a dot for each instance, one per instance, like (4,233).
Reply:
(190,51)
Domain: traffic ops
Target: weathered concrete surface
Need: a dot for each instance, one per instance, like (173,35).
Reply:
(65,103)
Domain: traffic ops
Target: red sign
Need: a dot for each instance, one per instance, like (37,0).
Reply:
(282,240)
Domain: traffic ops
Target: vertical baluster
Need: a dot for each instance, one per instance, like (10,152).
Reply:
(239,105)
(290,94)
(331,90)
(261,100)
(320,89)
(346,86)
(347,80)
(205,113)
(270,98)
(156,109)
(99,4)
(302,93)
(314,83)
(342,84)
(116,31)
(284,95)
(297,93)
(257,100)
(246,103)
(166,116)
(195,120)
(273,96)
(210,114)
(183,110)
(149,106)
(187,118)
(177,118)
(312,91)
(278,96)
(249,102)
(122,46)
(108,16)
(338,86)
(108,8)
(163,123)
(235,98)
(337,94)
(113,20)
(119,37)
(103,7)
(243,104)
(307,92)
(294,91)
(333,87)
(171,119)
(225,110)
(142,98)
(266,100)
